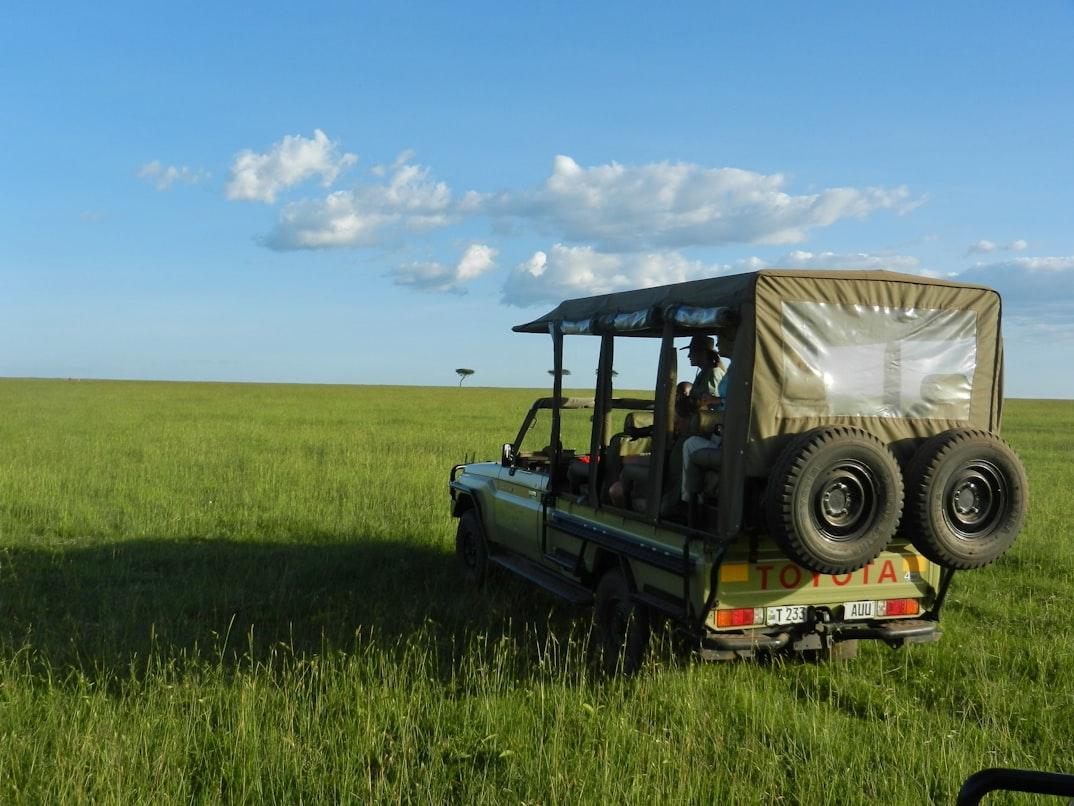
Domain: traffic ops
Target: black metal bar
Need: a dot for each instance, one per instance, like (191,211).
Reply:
(619,542)
(1009,780)
(945,582)
(599,435)
(557,397)
(527,424)
(662,421)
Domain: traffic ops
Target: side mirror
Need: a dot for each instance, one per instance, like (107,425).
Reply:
(507,454)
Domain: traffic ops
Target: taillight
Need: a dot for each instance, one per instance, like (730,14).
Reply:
(740,617)
(897,607)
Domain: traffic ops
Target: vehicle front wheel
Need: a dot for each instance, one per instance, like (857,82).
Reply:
(620,626)
(472,549)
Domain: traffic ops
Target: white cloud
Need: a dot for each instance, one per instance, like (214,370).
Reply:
(164,176)
(988,247)
(401,159)
(625,208)
(1038,294)
(1022,279)
(981,248)
(578,271)
(260,177)
(410,199)
(431,276)
(846,260)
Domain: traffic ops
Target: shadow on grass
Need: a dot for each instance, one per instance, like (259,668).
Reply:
(103,610)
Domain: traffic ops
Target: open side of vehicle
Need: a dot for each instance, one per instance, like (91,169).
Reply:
(851,464)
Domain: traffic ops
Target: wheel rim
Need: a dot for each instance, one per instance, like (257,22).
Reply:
(844,501)
(975,499)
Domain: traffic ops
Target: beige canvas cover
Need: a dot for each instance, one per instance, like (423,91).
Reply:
(902,356)
(935,357)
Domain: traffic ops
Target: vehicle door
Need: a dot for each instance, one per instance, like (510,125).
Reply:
(521,488)
(520,495)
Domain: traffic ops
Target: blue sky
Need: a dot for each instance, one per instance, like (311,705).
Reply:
(376,192)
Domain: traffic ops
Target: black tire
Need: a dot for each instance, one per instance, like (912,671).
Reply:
(472,549)
(834,499)
(620,626)
(967,497)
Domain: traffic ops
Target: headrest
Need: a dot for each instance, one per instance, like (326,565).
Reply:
(637,421)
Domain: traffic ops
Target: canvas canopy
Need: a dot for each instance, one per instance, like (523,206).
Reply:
(642,312)
(900,355)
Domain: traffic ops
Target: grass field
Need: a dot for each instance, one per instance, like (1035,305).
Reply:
(246,593)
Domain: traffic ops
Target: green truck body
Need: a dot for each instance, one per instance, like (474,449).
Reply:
(853,465)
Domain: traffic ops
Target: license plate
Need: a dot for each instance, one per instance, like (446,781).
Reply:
(787,614)
(859,610)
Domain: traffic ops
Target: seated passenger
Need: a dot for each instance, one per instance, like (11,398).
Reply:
(685,406)
(693,445)
(710,369)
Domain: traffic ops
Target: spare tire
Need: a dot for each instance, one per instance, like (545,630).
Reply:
(834,499)
(967,496)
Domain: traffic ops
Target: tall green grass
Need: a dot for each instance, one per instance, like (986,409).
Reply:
(246,593)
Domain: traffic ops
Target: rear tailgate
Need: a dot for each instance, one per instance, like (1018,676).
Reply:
(900,583)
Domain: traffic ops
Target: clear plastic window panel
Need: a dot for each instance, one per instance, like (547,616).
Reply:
(876,361)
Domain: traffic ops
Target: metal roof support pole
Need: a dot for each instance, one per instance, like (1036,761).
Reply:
(599,438)
(663,423)
(557,397)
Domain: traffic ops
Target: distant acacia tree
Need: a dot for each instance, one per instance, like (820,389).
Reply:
(614,373)
(553,372)
(463,373)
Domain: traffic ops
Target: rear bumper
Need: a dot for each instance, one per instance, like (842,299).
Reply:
(894,633)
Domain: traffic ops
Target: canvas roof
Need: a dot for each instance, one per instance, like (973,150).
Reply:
(728,291)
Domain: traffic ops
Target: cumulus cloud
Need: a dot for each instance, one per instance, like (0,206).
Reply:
(437,277)
(578,271)
(411,199)
(294,159)
(800,259)
(1038,295)
(672,205)
(988,247)
(401,159)
(164,176)
(1027,279)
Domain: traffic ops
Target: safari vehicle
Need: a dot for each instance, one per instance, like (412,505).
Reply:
(856,466)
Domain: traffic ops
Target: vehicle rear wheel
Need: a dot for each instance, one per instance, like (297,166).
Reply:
(967,498)
(834,499)
(620,626)
(472,549)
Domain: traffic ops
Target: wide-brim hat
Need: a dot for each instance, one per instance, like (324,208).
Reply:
(701,343)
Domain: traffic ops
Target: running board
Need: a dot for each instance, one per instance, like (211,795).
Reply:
(549,580)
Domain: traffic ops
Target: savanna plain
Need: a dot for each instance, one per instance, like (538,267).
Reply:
(248,594)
